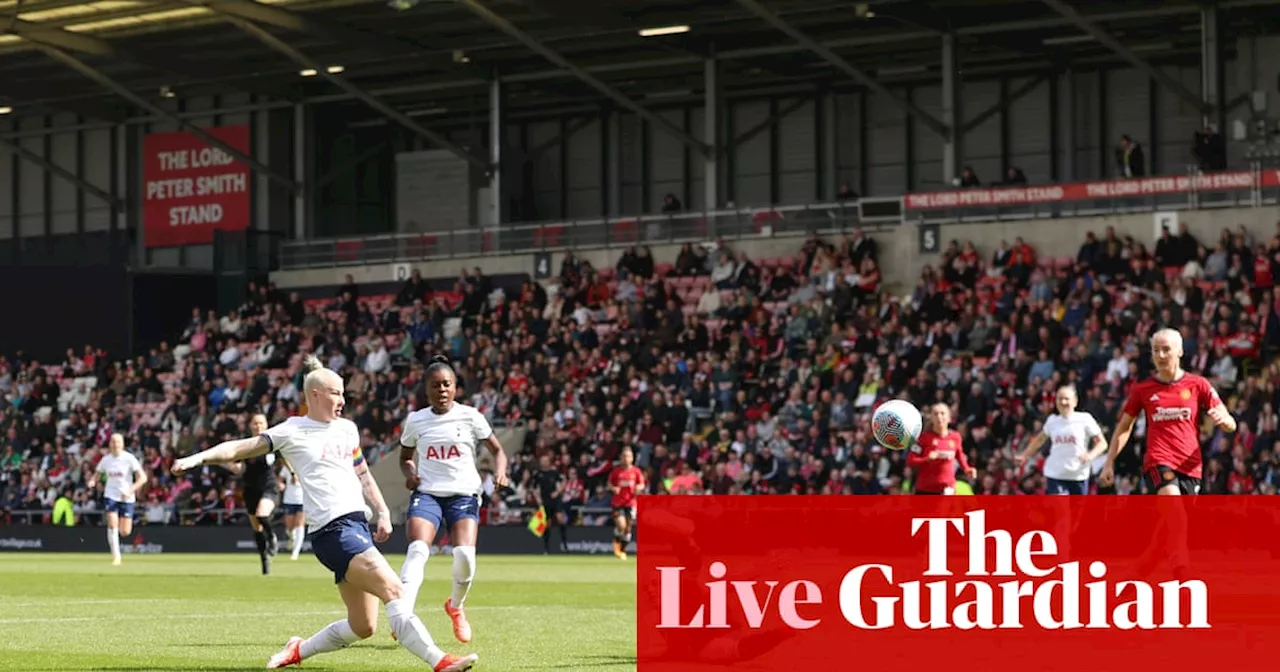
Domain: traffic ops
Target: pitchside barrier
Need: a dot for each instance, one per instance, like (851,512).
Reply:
(494,540)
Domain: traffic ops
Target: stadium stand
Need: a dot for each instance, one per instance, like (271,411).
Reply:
(727,374)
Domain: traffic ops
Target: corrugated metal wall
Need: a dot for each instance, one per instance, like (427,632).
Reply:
(872,145)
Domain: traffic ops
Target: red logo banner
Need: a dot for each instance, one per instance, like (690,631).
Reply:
(191,189)
(1082,191)
(981,584)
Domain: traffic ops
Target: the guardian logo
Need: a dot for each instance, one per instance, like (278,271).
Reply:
(1064,596)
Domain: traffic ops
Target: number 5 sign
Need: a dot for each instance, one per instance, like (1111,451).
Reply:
(541,265)
(930,238)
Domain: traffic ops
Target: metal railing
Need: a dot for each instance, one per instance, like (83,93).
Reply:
(1051,201)
(592,233)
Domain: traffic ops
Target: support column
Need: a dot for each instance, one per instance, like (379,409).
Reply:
(830,139)
(614,138)
(497,117)
(952,115)
(1211,66)
(302,196)
(712,135)
(1070,125)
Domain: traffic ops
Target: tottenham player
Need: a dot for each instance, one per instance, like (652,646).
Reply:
(324,448)
(625,482)
(936,454)
(295,521)
(1172,400)
(260,491)
(1075,440)
(123,476)
(438,450)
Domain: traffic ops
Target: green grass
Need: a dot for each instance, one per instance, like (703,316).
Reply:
(217,612)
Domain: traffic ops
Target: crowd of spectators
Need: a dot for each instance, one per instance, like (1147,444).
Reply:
(726,374)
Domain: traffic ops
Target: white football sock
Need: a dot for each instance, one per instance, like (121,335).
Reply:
(464,571)
(113,541)
(411,633)
(415,563)
(296,536)
(337,635)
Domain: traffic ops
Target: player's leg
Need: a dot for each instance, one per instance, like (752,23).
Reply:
(295,520)
(1170,538)
(421,524)
(630,530)
(345,546)
(252,498)
(126,519)
(462,515)
(266,507)
(370,572)
(113,530)
(619,532)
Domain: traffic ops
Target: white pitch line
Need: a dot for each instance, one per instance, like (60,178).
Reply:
(53,601)
(330,612)
(154,617)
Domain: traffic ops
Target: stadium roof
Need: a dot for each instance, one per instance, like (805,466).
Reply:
(434,58)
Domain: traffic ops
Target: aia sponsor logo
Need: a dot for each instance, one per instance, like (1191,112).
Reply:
(332,452)
(972,579)
(441,452)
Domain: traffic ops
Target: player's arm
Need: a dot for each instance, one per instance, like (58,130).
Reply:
(500,465)
(225,452)
(236,468)
(963,460)
(1217,410)
(139,480)
(1119,439)
(373,495)
(917,457)
(613,481)
(409,466)
(1033,447)
(409,456)
(1099,447)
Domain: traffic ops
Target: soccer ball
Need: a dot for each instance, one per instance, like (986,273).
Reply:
(896,424)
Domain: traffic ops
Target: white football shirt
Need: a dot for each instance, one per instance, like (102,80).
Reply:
(325,455)
(292,491)
(119,471)
(1068,438)
(446,446)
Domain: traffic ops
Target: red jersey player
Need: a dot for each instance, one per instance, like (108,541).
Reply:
(1172,400)
(933,459)
(625,482)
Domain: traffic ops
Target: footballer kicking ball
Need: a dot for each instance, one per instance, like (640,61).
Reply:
(896,424)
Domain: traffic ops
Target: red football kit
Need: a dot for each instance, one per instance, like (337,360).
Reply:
(940,474)
(628,481)
(1173,420)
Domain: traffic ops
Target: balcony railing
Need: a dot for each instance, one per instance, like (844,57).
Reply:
(592,233)
(1254,187)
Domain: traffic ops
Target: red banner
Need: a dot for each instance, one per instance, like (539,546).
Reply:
(981,584)
(1083,191)
(191,188)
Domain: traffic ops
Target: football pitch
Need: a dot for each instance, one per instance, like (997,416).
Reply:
(217,612)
